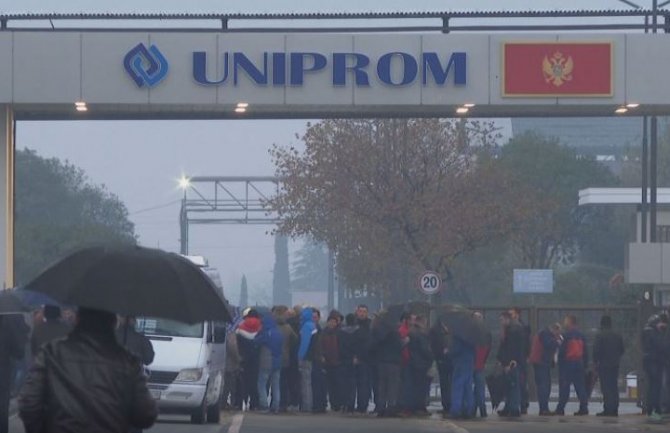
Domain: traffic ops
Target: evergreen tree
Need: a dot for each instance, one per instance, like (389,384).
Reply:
(244,292)
(281,280)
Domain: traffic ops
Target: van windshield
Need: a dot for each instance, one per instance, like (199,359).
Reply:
(170,328)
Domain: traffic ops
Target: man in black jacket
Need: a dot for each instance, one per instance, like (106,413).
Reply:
(86,383)
(607,352)
(136,343)
(510,353)
(363,368)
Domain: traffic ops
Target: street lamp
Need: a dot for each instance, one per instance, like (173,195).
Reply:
(184,182)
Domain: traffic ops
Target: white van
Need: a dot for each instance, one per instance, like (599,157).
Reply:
(187,374)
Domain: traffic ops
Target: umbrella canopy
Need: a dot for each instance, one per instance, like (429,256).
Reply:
(10,303)
(35,299)
(462,325)
(134,281)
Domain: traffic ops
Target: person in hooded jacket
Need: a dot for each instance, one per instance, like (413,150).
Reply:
(249,352)
(655,353)
(271,342)
(305,356)
(462,396)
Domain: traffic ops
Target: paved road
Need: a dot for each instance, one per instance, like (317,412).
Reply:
(254,423)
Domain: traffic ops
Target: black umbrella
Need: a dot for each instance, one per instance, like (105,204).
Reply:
(10,303)
(462,325)
(134,281)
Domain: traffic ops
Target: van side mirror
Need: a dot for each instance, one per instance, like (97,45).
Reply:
(220,332)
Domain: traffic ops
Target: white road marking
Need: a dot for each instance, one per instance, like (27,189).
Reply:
(236,424)
(453,428)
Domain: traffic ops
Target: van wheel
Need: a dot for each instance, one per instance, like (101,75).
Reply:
(200,414)
(214,412)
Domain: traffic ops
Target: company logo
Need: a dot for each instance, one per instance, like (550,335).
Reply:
(147,67)
(557,69)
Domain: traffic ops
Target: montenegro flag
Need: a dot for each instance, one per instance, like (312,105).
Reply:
(550,69)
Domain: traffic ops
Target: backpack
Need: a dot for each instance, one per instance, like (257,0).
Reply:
(574,350)
(536,350)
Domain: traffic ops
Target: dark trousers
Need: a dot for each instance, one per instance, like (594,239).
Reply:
(654,373)
(348,387)
(373,372)
(543,384)
(609,386)
(445,370)
(5,391)
(290,388)
(572,373)
(389,388)
(523,386)
(250,386)
(319,388)
(362,391)
(334,386)
(230,389)
(513,394)
(417,390)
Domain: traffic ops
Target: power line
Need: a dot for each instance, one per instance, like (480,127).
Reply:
(160,206)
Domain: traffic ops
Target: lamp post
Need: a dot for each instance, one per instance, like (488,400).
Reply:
(184,184)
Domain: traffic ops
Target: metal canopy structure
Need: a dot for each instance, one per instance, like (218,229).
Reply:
(239,22)
(225,200)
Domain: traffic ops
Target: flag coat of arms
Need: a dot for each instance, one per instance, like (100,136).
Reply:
(557,69)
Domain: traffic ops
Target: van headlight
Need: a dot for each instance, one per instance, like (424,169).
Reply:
(189,375)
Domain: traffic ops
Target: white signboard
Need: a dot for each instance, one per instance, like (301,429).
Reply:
(533,281)
(430,283)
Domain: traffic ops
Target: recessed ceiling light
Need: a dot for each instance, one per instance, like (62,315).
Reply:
(240,110)
(462,110)
(81,108)
(80,104)
(469,105)
(621,110)
(632,105)
(242,104)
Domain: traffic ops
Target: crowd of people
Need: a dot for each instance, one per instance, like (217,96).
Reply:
(284,360)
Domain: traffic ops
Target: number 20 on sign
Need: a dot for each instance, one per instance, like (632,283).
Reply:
(430,283)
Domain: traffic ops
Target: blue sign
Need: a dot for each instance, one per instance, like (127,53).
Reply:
(147,67)
(533,281)
(280,69)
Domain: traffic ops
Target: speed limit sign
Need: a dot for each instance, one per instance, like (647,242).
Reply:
(430,283)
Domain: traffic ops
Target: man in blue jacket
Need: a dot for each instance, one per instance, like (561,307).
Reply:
(572,362)
(462,396)
(305,352)
(543,349)
(271,341)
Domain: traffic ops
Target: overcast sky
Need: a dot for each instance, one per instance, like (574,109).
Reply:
(140,161)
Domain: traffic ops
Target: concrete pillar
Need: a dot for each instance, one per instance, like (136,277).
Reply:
(7,136)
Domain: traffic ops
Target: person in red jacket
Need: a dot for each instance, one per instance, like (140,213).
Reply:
(481,355)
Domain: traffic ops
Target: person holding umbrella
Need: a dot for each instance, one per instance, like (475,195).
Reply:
(136,343)
(88,382)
